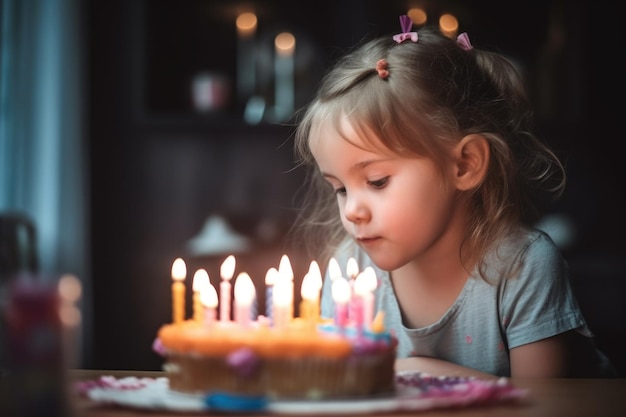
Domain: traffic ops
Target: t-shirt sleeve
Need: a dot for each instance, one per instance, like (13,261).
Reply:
(539,302)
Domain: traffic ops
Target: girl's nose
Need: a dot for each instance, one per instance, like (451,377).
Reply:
(355,210)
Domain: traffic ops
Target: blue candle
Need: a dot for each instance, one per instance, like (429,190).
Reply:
(270,279)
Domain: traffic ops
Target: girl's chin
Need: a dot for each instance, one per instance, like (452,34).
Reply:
(383,261)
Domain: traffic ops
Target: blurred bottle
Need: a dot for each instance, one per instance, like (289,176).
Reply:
(18,254)
(32,371)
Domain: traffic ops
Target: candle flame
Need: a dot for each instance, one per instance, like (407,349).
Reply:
(200,280)
(244,289)
(271,276)
(309,289)
(208,296)
(316,274)
(179,269)
(352,268)
(341,290)
(284,268)
(333,269)
(281,296)
(227,270)
(370,278)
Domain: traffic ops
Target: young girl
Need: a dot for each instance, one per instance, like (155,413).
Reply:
(427,170)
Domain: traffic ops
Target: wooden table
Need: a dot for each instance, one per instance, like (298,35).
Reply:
(547,398)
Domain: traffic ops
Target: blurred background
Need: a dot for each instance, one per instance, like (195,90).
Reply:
(135,132)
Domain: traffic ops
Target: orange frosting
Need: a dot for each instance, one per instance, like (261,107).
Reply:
(299,339)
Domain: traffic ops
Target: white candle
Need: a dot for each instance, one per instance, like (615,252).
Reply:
(244,296)
(285,44)
(246,61)
(227,271)
(285,274)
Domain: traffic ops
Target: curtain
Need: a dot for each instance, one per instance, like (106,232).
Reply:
(42,151)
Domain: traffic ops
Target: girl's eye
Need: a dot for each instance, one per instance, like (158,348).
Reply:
(340,191)
(378,184)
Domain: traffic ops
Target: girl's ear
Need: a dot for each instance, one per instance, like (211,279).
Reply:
(471,160)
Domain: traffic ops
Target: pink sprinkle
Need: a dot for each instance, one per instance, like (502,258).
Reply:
(468,340)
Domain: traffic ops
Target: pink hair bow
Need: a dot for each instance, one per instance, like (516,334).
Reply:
(464,42)
(405,24)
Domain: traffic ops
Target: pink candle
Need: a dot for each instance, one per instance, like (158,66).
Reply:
(364,286)
(282,303)
(341,296)
(208,298)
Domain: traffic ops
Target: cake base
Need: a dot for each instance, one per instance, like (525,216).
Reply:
(281,378)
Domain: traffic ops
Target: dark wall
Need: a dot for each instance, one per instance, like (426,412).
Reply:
(158,169)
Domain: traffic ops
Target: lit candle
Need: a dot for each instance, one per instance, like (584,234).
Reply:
(363,299)
(227,270)
(285,44)
(179,272)
(341,296)
(285,274)
(370,281)
(244,296)
(270,280)
(282,300)
(200,281)
(246,75)
(208,298)
(315,276)
(352,270)
(334,271)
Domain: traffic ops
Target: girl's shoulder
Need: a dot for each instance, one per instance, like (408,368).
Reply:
(522,253)
(525,242)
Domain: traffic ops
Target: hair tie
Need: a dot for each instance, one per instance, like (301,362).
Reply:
(464,42)
(382,68)
(405,24)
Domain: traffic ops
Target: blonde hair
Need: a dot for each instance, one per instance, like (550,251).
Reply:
(434,94)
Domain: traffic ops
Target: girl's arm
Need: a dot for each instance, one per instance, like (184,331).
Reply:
(560,356)
(438,367)
(568,354)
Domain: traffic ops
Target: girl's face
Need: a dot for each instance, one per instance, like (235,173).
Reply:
(398,209)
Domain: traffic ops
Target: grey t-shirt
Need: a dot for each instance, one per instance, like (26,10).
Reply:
(488,318)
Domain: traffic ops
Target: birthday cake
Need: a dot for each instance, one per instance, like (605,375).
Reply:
(287,357)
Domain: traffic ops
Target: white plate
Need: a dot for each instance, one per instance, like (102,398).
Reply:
(414,392)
